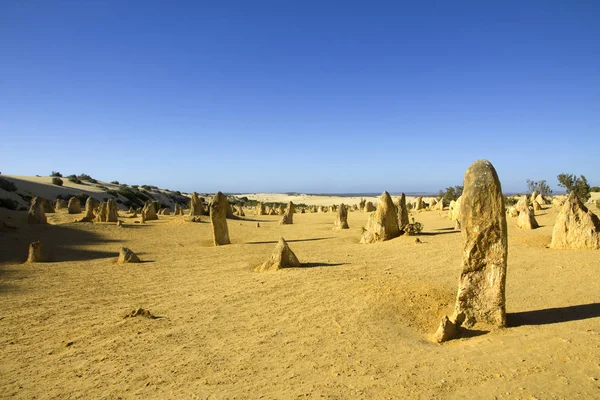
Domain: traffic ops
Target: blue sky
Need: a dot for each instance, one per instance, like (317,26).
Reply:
(308,96)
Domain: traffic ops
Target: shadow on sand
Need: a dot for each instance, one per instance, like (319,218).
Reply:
(290,241)
(60,243)
(554,315)
(445,232)
(321,264)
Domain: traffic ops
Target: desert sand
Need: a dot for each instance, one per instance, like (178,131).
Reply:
(355,321)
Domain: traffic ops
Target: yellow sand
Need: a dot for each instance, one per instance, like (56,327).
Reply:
(354,323)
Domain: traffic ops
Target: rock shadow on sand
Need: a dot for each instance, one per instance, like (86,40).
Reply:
(290,241)
(553,315)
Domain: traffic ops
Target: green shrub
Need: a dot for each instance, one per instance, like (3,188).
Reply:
(9,203)
(57,174)
(57,181)
(7,185)
(74,179)
(115,182)
(510,201)
(451,193)
(413,228)
(574,184)
(113,193)
(595,189)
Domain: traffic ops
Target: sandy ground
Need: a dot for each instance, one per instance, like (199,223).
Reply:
(314,200)
(354,322)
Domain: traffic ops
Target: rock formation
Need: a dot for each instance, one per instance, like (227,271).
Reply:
(383,223)
(127,256)
(369,207)
(48,206)
(35,253)
(60,204)
(280,210)
(576,227)
(218,219)
(74,205)
(36,213)
(260,209)
(89,210)
(341,220)
(418,204)
(526,219)
(481,287)
(402,212)
(288,215)
(149,212)
(112,211)
(282,257)
(196,205)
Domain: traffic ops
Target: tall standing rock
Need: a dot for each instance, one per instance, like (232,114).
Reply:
(402,212)
(481,287)
(196,205)
(36,213)
(218,219)
(260,209)
(576,227)
(481,294)
(89,210)
(383,223)
(112,211)
(288,215)
(341,220)
(74,205)
(282,257)
(419,204)
(149,212)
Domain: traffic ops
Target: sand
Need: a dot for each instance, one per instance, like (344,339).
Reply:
(354,322)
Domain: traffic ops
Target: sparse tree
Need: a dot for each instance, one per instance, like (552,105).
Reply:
(538,186)
(451,193)
(572,183)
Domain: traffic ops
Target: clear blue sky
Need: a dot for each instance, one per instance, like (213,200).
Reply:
(313,96)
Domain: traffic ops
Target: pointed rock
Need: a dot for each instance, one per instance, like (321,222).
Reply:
(383,223)
(526,219)
(576,227)
(196,205)
(149,212)
(282,257)
(402,212)
(288,215)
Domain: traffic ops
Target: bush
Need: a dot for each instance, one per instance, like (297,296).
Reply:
(451,193)
(7,185)
(115,182)
(57,181)
(595,189)
(9,203)
(574,184)
(81,196)
(113,193)
(57,174)
(413,228)
(510,201)
(74,179)
(146,187)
